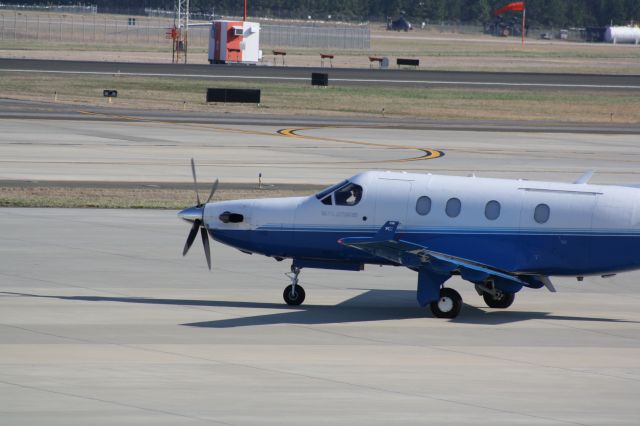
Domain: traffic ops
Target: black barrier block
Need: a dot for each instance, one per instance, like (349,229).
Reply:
(110,93)
(319,79)
(412,62)
(246,96)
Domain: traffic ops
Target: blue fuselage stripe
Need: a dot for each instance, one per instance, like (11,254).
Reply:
(547,252)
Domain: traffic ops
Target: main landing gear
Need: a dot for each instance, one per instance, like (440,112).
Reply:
(293,294)
(448,305)
(494,297)
(499,300)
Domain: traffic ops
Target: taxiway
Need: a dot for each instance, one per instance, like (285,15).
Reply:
(48,142)
(102,322)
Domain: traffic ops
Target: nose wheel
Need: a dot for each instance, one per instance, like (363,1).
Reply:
(448,305)
(293,294)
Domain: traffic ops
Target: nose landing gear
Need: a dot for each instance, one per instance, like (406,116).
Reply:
(448,305)
(293,294)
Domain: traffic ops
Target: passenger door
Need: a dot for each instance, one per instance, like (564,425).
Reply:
(392,198)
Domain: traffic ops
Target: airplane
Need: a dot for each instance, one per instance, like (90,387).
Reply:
(500,235)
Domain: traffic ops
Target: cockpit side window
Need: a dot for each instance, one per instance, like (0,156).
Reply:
(349,195)
(327,200)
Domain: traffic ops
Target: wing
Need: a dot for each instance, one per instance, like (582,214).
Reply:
(384,244)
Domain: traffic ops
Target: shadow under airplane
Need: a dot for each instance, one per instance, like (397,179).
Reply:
(372,305)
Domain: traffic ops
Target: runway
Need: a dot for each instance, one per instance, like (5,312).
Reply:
(338,76)
(102,322)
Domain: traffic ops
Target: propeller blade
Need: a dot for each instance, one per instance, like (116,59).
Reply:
(195,181)
(205,242)
(192,236)
(213,190)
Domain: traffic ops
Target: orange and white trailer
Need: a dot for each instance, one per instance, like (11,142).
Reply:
(234,42)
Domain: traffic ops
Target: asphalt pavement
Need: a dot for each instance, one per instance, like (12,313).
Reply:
(338,76)
(103,322)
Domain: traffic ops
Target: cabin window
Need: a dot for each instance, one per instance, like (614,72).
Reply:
(423,206)
(349,195)
(492,210)
(453,207)
(541,214)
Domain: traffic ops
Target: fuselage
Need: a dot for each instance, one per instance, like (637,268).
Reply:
(515,225)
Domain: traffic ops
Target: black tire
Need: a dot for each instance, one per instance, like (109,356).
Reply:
(293,299)
(503,301)
(449,304)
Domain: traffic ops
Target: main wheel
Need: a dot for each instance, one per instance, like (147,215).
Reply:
(502,300)
(293,298)
(449,304)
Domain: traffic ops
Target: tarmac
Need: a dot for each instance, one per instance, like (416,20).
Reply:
(337,76)
(45,142)
(103,322)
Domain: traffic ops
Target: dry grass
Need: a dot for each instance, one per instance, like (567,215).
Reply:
(433,55)
(299,98)
(138,197)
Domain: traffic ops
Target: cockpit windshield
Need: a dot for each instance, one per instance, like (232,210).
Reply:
(344,193)
(320,195)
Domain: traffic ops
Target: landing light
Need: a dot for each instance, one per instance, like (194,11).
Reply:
(228,217)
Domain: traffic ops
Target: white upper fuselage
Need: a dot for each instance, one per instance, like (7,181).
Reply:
(518,225)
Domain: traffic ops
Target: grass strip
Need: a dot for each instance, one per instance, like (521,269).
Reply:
(131,195)
(436,102)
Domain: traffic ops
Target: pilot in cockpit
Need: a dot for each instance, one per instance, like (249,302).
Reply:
(350,195)
(344,193)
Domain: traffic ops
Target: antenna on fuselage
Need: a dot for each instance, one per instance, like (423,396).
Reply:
(586,176)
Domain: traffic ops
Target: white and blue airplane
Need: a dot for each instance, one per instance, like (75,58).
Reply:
(500,235)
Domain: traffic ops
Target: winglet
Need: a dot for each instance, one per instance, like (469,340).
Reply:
(584,178)
(388,231)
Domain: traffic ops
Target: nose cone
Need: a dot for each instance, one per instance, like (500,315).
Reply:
(191,214)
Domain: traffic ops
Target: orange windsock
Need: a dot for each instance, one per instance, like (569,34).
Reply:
(516,7)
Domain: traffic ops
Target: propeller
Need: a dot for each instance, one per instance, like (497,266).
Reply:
(196,215)
(195,181)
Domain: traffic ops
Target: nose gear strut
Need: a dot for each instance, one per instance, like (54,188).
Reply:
(293,294)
